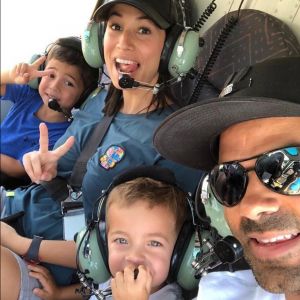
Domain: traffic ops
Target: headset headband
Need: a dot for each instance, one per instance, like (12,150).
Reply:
(154,172)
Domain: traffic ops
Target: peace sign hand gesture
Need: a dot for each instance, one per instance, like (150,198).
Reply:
(22,73)
(41,165)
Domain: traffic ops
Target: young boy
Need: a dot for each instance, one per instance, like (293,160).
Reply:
(67,79)
(143,220)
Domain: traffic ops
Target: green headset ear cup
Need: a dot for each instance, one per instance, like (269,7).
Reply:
(91,259)
(186,273)
(172,36)
(92,44)
(182,255)
(185,53)
(215,211)
(34,83)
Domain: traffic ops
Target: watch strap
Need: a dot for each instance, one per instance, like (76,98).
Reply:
(33,251)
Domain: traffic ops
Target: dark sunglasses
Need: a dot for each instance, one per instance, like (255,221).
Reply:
(278,170)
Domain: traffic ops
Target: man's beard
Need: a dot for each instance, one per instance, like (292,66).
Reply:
(274,276)
(277,275)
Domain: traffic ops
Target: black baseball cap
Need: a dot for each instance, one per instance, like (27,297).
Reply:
(162,12)
(190,136)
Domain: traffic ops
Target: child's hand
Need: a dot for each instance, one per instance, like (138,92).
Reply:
(22,73)
(42,164)
(124,286)
(49,290)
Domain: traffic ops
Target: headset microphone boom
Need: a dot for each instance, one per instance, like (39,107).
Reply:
(54,105)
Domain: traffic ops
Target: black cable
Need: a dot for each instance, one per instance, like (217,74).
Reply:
(239,9)
(202,77)
(205,15)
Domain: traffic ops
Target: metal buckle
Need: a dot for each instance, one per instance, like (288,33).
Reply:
(227,90)
(72,202)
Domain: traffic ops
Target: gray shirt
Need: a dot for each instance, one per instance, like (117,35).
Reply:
(168,292)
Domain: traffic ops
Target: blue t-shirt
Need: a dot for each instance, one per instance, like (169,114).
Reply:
(20,128)
(128,143)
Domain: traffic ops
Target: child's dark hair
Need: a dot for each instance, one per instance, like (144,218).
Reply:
(68,50)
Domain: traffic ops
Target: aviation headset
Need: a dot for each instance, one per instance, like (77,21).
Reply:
(208,209)
(219,248)
(73,43)
(179,53)
(92,252)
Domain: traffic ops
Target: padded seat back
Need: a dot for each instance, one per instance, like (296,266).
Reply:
(257,36)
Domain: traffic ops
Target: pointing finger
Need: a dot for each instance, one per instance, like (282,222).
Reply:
(43,73)
(44,140)
(23,69)
(39,61)
(64,148)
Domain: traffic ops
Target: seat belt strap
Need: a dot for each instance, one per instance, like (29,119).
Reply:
(89,149)
(59,188)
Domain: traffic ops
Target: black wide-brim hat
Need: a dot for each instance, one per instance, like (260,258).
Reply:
(162,12)
(190,136)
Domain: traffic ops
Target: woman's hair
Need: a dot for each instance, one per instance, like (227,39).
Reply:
(74,57)
(154,193)
(114,99)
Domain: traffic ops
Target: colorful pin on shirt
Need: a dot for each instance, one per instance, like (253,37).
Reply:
(111,157)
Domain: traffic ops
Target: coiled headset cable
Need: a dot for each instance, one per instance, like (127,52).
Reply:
(203,76)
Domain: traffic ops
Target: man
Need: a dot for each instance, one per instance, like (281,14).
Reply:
(249,140)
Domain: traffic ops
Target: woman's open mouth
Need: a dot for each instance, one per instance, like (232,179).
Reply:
(125,66)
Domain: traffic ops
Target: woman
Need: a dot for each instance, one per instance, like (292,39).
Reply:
(135,33)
